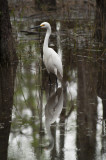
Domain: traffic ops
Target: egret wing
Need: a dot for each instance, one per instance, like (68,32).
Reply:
(56,60)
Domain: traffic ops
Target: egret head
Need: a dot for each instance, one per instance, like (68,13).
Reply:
(45,25)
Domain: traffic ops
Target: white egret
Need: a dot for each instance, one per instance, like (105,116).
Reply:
(51,59)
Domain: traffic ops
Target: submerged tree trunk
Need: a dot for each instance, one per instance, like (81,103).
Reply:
(86,110)
(7,78)
(7,49)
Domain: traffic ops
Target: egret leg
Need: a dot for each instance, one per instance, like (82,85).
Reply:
(49,79)
(49,90)
(56,83)
(55,71)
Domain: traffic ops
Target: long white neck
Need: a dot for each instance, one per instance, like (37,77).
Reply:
(46,40)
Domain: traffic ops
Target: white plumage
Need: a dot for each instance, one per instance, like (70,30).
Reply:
(51,59)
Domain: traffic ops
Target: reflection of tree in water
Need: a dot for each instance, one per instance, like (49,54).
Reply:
(7,77)
(100,33)
(101,90)
(62,128)
(28,98)
(87,110)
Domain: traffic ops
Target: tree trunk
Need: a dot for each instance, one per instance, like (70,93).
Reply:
(86,111)
(100,20)
(45,4)
(7,78)
(101,4)
(7,49)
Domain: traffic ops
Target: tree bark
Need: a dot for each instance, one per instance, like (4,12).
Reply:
(100,20)
(86,110)
(7,78)
(101,4)
(7,49)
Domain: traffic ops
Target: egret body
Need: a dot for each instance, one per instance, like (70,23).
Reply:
(51,59)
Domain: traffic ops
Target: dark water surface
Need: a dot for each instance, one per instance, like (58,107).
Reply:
(68,122)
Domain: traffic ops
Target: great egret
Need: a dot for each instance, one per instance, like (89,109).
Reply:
(51,59)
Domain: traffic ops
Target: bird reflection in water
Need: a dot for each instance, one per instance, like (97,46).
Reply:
(53,109)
